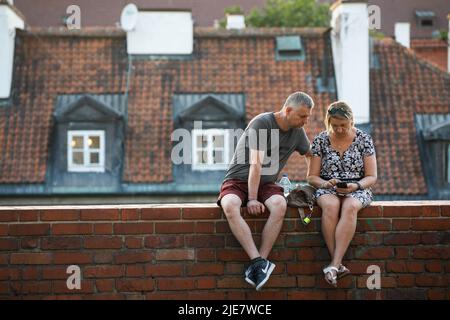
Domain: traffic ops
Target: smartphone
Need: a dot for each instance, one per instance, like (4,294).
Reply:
(341,184)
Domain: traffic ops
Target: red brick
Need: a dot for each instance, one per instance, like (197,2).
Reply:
(175,254)
(431,281)
(130,214)
(404,266)
(401,238)
(206,255)
(156,295)
(9,215)
(9,244)
(173,284)
(133,228)
(337,295)
(237,282)
(370,212)
(205,241)
(133,257)
(364,239)
(306,281)
(436,294)
(72,228)
(10,274)
(307,295)
(60,243)
(405,280)
(104,285)
(281,282)
(103,272)
(174,227)
(205,269)
(426,252)
(401,224)
(433,266)
(29,243)
(134,242)
(28,216)
(402,211)
(282,255)
(135,271)
(231,255)
(204,227)
(60,215)
(3,230)
(431,238)
(31,258)
(431,211)
(105,296)
(103,257)
(4,287)
(162,241)
(431,224)
(72,258)
(29,229)
(103,228)
(373,225)
(28,287)
(374,253)
(4,258)
(160,213)
(445,211)
(100,214)
(202,213)
(206,283)
(266,295)
(31,273)
(53,273)
(310,268)
(222,227)
(305,254)
(304,240)
(164,270)
(402,252)
(100,242)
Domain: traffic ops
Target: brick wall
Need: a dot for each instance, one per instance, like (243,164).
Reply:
(188,252)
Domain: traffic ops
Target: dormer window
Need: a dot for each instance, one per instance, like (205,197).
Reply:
(425,18)
(86,151)
(289,48)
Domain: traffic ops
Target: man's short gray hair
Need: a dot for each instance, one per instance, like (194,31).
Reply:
(299,99)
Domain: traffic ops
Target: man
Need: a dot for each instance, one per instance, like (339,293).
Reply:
(261,153)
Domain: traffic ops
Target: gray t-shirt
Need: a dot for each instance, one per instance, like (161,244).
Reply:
(263,133)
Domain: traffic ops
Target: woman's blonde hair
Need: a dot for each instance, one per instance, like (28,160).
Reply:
(340,110)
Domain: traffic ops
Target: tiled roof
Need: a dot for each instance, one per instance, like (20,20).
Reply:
(402,86)
(50,63)
(432,50)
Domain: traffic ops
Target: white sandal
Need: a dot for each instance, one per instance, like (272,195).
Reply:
(331,277)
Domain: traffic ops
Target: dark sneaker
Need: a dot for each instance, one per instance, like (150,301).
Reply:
(249,277)
(261,272)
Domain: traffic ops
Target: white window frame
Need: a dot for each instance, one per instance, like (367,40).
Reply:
(86,167)
(209,133)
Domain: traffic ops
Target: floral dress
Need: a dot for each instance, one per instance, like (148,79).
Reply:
(350,167)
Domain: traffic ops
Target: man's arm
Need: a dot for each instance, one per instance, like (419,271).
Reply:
(254,178)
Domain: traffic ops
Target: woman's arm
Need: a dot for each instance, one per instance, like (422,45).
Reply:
(314,178)
(370,172)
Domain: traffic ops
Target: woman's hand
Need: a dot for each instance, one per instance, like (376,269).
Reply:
(329,184)
(351,187)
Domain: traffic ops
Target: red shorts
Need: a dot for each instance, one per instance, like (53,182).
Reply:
(240,188)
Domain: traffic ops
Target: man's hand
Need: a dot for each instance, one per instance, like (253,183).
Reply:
(254,207)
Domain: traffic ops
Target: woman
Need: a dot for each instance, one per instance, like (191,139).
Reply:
(341,154)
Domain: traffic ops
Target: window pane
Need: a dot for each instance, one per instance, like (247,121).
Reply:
(94,142)
(218,156)
(202,141)
(77,142)
(77,158)
(218,141)
(94,158)
(202,157)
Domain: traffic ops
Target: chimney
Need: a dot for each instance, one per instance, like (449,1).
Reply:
(350,44)
(10,19)
(402,33)
(235,21)
(162,33)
